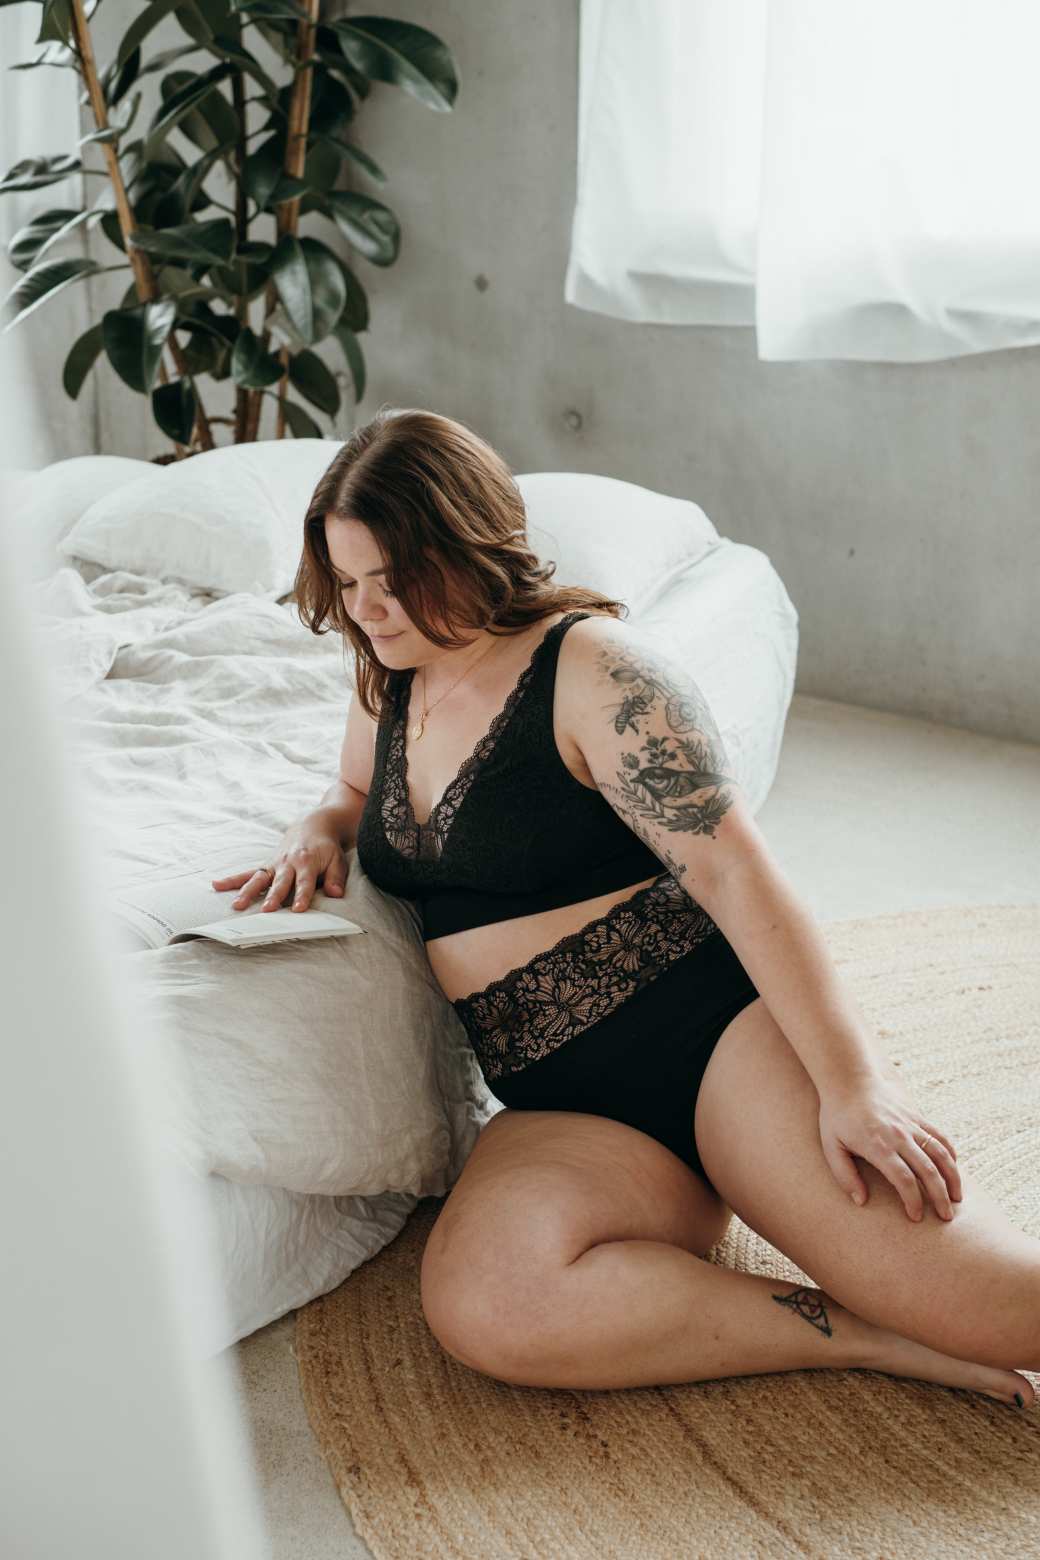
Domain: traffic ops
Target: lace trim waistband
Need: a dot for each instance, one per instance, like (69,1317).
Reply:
(537,1006)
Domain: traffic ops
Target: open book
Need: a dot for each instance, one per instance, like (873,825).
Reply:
(174,910)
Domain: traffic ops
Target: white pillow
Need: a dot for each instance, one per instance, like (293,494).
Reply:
(228,520)
(232,520)
(616,537)
(44,505)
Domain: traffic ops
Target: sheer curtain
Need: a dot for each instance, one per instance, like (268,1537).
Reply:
(856,181)
(39,117)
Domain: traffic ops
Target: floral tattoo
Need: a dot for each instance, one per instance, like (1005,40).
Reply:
(663,782)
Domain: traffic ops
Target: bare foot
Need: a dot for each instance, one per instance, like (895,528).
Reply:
(899,1356)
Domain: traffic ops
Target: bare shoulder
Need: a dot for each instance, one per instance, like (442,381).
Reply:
(614,671)
(599,628)
(582,644)
(579,641)
(597,625)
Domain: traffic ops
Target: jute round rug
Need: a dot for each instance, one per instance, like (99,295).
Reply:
(434,1459)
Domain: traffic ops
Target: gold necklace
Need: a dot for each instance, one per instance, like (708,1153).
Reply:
(417,729)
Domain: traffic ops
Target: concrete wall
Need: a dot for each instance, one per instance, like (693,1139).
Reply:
(895,501)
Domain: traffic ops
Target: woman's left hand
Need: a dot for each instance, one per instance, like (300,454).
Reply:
(874,1119)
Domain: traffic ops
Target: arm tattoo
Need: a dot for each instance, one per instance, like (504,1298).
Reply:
(664,785)
(808,1303)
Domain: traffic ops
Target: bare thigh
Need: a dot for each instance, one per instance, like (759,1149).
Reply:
(969,1287)
(539,1188)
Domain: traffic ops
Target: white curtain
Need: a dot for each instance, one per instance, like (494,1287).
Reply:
(855,180)
(39,117)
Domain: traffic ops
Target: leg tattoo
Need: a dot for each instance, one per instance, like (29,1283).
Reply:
(808,1303)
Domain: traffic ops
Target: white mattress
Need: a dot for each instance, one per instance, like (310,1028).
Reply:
(205,723)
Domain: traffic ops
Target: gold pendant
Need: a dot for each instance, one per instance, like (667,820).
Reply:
(417,731)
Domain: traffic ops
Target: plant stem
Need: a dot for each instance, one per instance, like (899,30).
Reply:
(287,215)
(238,95)
(144,276)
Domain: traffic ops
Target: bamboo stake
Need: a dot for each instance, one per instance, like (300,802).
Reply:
(238,97)
(144,276)
(287,215)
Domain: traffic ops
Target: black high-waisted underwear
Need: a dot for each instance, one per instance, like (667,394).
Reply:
(617,1019)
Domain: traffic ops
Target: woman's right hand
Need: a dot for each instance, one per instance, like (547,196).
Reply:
(308,851)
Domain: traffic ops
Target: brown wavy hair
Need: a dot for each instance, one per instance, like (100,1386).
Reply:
(451,527)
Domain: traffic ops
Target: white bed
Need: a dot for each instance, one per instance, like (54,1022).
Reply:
(207,720)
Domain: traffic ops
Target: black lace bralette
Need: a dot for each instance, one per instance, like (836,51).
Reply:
(529,836)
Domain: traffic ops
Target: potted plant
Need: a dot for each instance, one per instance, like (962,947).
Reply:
(250,134)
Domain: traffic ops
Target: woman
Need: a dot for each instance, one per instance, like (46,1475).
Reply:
(646,993)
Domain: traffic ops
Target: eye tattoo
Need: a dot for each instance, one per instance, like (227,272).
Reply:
(808,1303)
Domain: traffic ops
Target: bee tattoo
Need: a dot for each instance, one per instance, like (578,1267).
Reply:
(665,779)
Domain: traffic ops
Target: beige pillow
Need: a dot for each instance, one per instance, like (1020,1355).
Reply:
(332,1066)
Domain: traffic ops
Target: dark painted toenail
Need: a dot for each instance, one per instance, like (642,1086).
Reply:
(1019,1400)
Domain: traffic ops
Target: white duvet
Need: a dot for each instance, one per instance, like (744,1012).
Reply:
(204,725)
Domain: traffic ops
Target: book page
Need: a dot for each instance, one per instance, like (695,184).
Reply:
(273,926)
(158,911)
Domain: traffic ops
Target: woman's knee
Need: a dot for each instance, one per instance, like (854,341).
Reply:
(455,1317)
(539,1188)
(489,1261)
(482,1299)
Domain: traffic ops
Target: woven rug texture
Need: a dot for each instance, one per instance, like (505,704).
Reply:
(435,1461)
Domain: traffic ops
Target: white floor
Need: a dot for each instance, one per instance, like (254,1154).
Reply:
(869,813)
